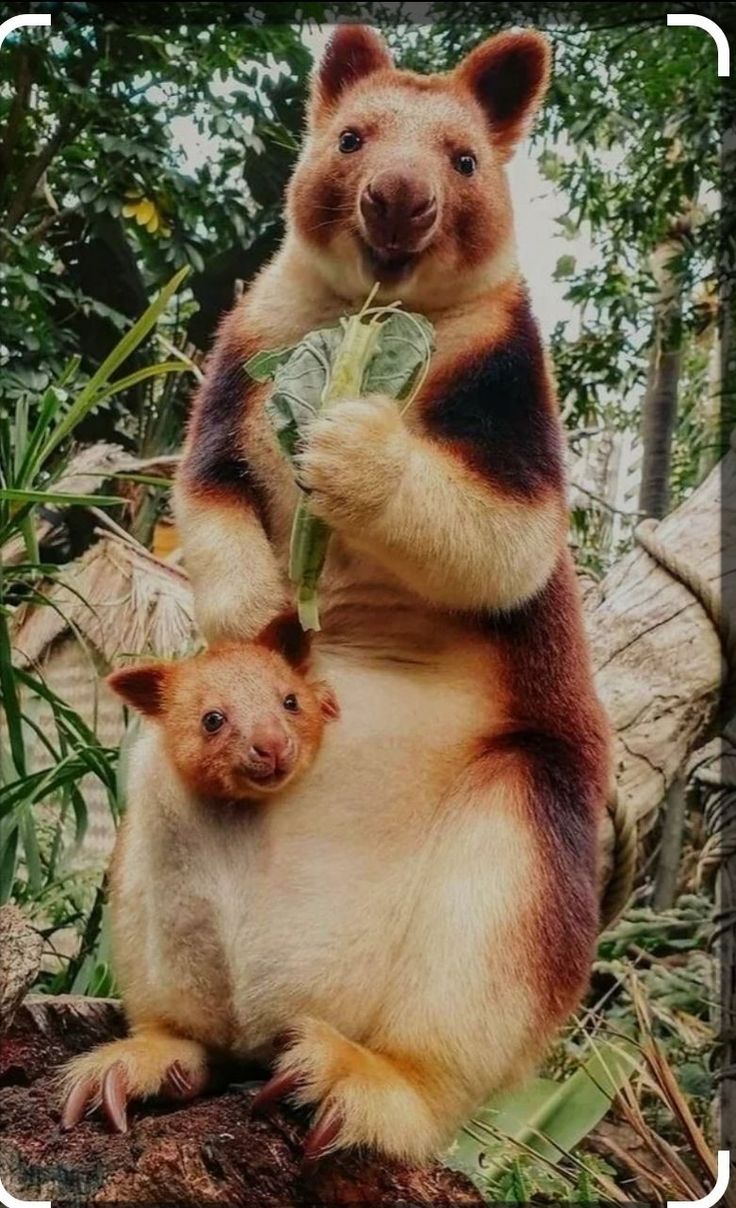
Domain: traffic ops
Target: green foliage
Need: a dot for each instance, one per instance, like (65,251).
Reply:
(43,811)
(98,204)
(514,1143)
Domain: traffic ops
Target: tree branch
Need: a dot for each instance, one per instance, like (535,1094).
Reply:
(18,109)
(38,232)
(35,170)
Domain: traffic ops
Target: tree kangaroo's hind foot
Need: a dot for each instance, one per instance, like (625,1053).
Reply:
(153,1063)
(364,1099)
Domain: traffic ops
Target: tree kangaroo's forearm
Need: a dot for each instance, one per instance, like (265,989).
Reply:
(218,504)
(454,540)
(235,578)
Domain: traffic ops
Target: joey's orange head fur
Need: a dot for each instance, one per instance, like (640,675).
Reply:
(240,720)
(402,176)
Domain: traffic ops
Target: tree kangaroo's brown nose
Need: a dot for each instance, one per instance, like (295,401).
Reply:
(398,209)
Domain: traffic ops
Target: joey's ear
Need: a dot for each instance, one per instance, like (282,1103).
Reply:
(354,51)
(328,703)
(285,635)
(508,74)
(143,686)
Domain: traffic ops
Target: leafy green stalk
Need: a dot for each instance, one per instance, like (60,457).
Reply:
(380,350)
(310,536)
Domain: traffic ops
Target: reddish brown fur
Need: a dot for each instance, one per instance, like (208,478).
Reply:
(510,368)
(476,212)
(216,465)
(509,75)
(558,734)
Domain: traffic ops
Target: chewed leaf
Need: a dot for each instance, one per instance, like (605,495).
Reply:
(378,350)
(284,426)
(263,365)
(402,354)
(299,383)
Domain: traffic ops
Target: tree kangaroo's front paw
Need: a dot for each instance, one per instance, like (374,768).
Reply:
(354,457)
(363,1098)
(150,1064)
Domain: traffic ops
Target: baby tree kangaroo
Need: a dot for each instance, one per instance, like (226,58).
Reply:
(226,730)
(418,911)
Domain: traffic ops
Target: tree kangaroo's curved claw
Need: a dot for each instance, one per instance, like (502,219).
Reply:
(319,1139)
(76,1104)
(278,1087)
(114,1097)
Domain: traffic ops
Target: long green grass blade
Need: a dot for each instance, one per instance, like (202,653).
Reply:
(10,700)
(89,395)
(31,850)
(140,375)
(8,860)
(60,498)
(51,404)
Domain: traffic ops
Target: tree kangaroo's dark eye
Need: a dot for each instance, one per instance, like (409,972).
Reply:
(291,704)
(466,163)
(349,141)
(213,721)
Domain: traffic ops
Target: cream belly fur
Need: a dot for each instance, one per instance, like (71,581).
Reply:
(289,898)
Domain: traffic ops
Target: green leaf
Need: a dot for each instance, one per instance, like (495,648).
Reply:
(62,498)
(140,375)
(300,380)
(31,850)
(10,700)
(145,480)
(565,267)
(546,1117)
(380,350)
(263,365)
(404,347)
(8,861)
(89,396)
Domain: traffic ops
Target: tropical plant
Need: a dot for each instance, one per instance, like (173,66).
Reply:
(36,805)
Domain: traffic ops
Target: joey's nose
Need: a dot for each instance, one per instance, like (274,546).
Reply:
(270,751)
(398,210)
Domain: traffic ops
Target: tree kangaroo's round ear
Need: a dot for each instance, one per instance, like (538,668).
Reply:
(328,703)
(286,637)
(143,687)
(354,51)
(509,75)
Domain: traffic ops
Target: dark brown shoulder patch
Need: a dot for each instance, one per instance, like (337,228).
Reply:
(497,410)
(215,463)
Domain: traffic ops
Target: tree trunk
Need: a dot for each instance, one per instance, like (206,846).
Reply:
(210,1152)
(21,947)
(659,410)
(657,654)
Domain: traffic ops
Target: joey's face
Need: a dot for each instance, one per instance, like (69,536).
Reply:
(243,725)
(402,177)
(241,720)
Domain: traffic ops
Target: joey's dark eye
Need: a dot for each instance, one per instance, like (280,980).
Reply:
(213,721)
(349,141)
(291,704)
(465,163)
